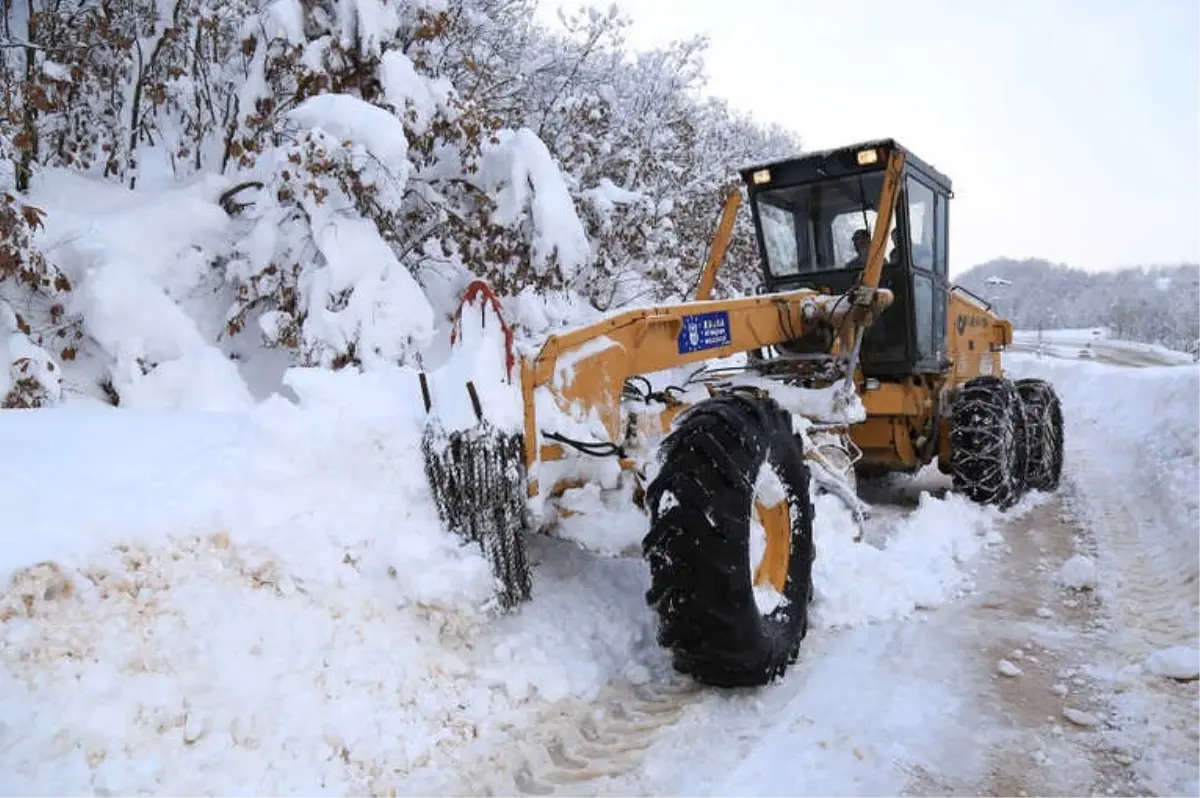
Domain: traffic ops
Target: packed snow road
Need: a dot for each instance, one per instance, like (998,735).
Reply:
(1133,490)
(1098,345)
(263,603)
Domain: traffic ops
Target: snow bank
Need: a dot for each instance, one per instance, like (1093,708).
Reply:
(253,598)
(310,482)
(927,559)
(479,355)
(265,600)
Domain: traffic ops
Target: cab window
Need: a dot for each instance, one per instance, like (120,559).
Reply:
(820,226)
(921,224)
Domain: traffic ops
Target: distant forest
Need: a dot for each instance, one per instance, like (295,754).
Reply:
(1157,305)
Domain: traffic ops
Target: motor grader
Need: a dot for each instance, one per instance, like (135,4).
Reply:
(856,357)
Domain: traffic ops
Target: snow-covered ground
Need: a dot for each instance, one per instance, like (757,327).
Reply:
(1133,450)
(260,601)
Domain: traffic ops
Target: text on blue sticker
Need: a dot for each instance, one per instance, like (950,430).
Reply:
(704,331)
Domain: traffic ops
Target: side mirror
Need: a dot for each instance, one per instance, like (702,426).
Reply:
(760,289)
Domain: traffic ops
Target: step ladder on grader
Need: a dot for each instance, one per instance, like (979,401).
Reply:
(858,358)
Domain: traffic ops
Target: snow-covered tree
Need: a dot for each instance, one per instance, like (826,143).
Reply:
(373,155)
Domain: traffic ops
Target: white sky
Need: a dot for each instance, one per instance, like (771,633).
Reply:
(1070,128)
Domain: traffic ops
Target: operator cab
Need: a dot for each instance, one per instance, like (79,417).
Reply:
(814,217)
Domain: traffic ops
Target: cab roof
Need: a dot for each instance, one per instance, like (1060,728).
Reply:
(840,162)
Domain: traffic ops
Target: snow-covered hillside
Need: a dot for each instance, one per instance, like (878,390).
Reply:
(1150,304)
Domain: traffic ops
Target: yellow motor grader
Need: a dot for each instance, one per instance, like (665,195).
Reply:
(857,357)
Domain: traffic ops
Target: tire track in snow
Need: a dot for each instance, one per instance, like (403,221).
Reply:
(573,747)
(1153,592)
(1156,600)
(1147,576)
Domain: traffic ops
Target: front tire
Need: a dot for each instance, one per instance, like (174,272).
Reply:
(987,442)
(728,458)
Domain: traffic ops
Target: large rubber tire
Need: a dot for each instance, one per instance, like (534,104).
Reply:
(987,442)
(700,505)
(1044,422)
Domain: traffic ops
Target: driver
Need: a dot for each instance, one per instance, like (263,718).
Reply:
(862,242)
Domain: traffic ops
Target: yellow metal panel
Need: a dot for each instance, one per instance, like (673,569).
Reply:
(894,399)
(885,440)
(645,341)
(943,449)
(777,524)
(974,338)
(875,433)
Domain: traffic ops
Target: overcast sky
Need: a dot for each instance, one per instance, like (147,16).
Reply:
(1070,128)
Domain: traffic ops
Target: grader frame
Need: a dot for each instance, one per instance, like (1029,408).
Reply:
(709,472)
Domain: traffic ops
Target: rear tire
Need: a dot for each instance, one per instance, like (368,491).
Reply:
(987,442)
(1044,422)
(698,548)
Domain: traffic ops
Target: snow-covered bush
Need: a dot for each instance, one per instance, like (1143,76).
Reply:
(29,375)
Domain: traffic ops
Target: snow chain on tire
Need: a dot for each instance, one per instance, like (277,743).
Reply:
(1044,421)
(988,442)
(701,504)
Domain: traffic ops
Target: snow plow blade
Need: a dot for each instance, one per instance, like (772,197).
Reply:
(477,478)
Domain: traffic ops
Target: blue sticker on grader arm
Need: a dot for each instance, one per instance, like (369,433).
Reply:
(704,331)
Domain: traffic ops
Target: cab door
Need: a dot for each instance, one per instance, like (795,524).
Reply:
(927,228)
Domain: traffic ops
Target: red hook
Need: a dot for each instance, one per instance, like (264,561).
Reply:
(476,288)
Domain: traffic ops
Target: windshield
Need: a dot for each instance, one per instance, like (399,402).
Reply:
(820,226)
